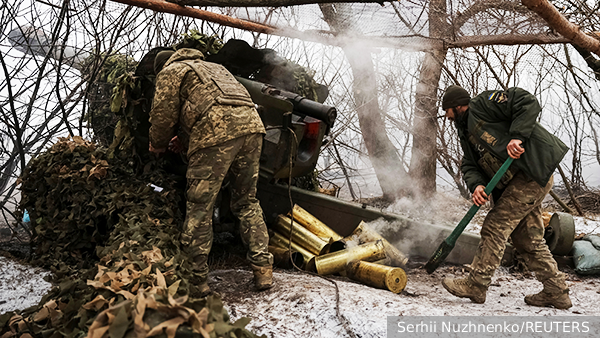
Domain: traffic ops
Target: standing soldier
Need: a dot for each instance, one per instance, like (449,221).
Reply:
(491,127)
(222,132)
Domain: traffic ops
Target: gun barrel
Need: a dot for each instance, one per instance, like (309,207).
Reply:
(301,104)
(311,108)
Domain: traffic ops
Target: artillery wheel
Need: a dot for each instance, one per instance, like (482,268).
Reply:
(560,233)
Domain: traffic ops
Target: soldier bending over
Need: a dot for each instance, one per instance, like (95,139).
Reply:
(222,132)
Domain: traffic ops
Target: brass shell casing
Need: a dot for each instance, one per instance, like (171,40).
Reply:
(337,245)
(376,275)
(314,225)
(283,259)
(279,240)
(336,261)
(366,234)
(301,235)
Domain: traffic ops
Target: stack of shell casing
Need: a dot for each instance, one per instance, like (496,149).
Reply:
(365,234)
(316,247)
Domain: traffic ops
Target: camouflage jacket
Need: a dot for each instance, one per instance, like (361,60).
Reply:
(496,117)
(202,102)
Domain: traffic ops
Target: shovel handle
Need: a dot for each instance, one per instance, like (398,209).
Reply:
(474,208)
(448,244)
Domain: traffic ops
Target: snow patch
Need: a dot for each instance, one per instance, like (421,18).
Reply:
(21,286)
(304,305)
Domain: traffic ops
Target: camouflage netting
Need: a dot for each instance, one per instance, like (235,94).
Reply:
(99,115)
(110,237)
(111,241)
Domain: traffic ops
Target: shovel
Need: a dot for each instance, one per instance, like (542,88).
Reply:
(448,244)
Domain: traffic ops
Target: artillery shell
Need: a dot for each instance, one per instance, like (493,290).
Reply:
(365,234)
(283,259)
(301,235)
(336,261)
(314,225)
(279,240)
(376,275)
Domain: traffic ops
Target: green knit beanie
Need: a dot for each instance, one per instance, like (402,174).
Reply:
(455,96)
(160,60)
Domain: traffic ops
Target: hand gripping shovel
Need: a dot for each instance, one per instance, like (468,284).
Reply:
(448,244)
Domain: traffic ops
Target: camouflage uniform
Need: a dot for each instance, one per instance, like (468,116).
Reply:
(492,120)
(517,214)
(222,131)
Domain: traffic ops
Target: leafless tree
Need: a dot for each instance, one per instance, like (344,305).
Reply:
(391,117)
(50,58)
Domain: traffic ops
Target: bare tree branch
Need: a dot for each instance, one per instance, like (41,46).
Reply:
(259,3)
(409,42)
(568,186)
(559,23)
(168,7)
(343,167)
(482,6)
(592,62)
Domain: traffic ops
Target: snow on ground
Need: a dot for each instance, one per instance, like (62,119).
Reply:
(587,225)
(303,305)
(21,286)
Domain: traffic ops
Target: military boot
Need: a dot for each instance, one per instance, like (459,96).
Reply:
(263,276)
(198,287)
(559,300)
(464,288)
(199,290)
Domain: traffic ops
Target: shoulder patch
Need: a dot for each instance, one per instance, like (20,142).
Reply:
(489,139)
(498,96)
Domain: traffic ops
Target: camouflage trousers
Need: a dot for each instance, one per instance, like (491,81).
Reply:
(206,171)
(517,214)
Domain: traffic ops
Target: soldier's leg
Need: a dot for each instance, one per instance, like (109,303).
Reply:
(528,239)
(206,171)
(244,203)
(520,198)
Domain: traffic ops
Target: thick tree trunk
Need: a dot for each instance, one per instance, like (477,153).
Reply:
(382,153)
(423,156)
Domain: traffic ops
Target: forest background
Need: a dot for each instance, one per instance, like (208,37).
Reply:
(386,66)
